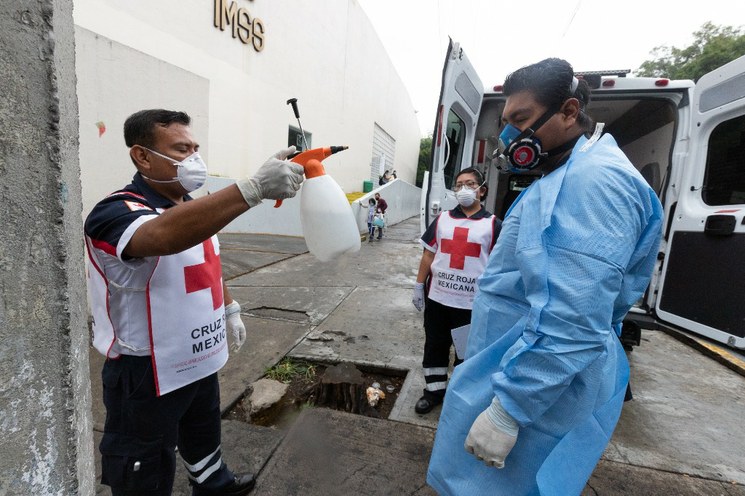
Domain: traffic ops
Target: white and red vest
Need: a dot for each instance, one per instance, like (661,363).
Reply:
(463,247)
(184,328)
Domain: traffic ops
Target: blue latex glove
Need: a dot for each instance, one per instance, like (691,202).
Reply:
(492,435)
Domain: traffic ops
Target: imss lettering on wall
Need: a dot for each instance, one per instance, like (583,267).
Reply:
(245,27)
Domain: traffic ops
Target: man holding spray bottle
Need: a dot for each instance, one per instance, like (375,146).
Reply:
(161,310)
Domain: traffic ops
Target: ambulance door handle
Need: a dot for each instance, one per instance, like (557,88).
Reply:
(447,151)
(720,225)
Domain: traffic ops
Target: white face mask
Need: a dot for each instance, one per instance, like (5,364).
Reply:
(191,172)
(466,196)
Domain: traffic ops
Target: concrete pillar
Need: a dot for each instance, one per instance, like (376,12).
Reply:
(45,400)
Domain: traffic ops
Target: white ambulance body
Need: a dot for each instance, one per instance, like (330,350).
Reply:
(686,139)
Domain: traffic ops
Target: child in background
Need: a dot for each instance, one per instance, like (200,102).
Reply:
(370,217)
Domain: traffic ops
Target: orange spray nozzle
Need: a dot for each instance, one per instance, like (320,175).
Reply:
(311,162)
(314,168)
(317,154)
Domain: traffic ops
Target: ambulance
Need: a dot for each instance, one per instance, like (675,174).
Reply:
(688,141)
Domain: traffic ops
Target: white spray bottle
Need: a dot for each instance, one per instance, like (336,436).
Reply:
(329,226)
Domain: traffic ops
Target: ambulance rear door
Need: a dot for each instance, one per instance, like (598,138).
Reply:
(454,135)
(702,287)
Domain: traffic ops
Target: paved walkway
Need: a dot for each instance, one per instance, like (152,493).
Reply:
(680,435)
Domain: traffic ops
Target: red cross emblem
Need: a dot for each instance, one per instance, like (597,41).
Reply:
(459,248)
(206,275)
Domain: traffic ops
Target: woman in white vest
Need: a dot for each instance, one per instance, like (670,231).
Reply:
(456,248)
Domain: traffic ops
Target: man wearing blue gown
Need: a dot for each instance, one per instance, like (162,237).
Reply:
(533,406)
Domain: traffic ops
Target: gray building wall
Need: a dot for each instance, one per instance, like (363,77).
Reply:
(45,421)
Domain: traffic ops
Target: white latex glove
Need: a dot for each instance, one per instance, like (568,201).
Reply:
(277,179)
(492,435)
(418,298)
(235,325)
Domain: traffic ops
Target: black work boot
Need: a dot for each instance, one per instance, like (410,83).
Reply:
(242,484)
(428,401)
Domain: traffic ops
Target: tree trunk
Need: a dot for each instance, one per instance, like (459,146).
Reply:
(342,388)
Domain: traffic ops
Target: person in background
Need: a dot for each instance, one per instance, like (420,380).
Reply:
(535,402)
(161,311)
(394,175)
(456,247)
(382,206)
(385,178)
(370,217)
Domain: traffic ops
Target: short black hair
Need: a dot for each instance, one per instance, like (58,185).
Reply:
(550,81)
(472,170)
(139,128)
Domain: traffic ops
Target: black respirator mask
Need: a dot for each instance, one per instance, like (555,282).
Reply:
(521,151)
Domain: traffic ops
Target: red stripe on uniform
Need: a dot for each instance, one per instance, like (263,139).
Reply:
(434,238)
(127,193)
(104,246)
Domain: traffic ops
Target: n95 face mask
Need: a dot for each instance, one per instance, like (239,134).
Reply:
(191,172)
(466,196)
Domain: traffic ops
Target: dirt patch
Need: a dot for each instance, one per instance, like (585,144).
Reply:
(301,394)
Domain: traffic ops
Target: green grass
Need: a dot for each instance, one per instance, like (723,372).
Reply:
(287,370)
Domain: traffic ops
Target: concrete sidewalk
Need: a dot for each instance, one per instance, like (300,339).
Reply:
(679,436)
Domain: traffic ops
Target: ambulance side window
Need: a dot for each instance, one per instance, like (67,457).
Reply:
(454,133)
(724,181)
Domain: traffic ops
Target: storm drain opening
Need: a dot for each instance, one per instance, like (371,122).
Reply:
(277,313)
(293,385)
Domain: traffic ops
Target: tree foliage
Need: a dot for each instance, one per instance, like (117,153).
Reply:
(712,47)
(425,158)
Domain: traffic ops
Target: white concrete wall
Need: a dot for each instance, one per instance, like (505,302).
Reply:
(109,93)
(263,218)
(138,54)
(403,202)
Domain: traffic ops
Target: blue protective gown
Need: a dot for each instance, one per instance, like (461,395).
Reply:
(575,252)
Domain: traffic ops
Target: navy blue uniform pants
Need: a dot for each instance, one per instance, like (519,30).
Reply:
(439,320)
(143,430)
